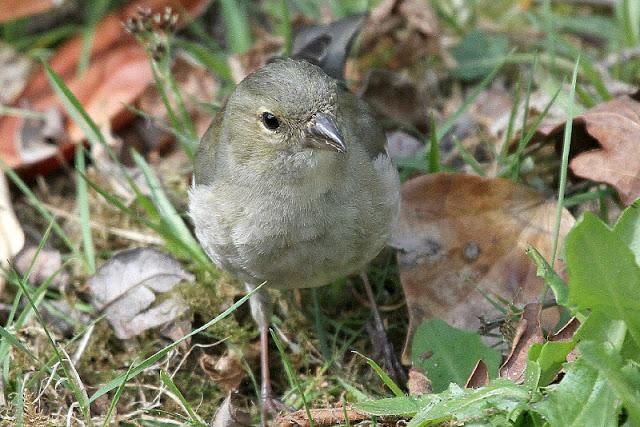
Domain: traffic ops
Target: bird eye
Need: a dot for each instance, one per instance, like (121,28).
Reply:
(270,121)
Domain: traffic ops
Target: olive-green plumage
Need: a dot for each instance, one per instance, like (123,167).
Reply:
(292,186)
(304,203)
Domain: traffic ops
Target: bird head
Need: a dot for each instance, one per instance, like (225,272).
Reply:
(286,107)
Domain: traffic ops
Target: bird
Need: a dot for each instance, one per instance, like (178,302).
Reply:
(292,186)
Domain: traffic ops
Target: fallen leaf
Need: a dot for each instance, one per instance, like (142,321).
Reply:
(16,9)
(125,288)
(607,138)
(528,332)
(401,145)
(408,25)
(226,371)
(49,261)
(118,73)
(462,238)
(229,415)
(479,376)
(397,97)
(11,234)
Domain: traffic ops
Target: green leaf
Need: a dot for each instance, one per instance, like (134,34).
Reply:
(501,396)
(628,228)
(550,357)
(396,406)
(550,277)
(604,276)
(622,378)
(386,379)
(473,52)
(582,398)
(437,351)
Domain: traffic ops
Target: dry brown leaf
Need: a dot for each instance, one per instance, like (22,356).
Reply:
(401,145)
(125,288)
(226,371)
(245,63)
(118,73)
(49,261)
(407,25)
(479,376)
(16,9)
(229,415)
(461,237)
(528,332)
(615,125)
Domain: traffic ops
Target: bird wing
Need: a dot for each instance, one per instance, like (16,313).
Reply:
(365,125)
(205,161)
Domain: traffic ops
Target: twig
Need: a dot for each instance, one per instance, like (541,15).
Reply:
(328,417)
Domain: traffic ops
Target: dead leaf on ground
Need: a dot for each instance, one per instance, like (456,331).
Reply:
(607,139)
(125,288)
(528,332)
(118,73)
(401,145)
(16,9)
(226,371)
(11,234)
(461,237)
(410,26)
(479,376)
(398,97)
(48,263)
(229,415)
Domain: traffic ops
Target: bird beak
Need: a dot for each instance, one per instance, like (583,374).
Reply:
(323,133)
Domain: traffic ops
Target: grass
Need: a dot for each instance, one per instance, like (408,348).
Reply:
(318,363)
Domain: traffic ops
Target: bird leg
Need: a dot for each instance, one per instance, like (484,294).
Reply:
(261,308)
(393,364)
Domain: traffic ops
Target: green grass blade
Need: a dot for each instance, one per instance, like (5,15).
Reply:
(236,24)
(18,402)
(133,372)
(83,209)
(167,381)
(433,165)
(386,379)
(168,212)
(293,379)
(468,158)
(116,397)
(566,144)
